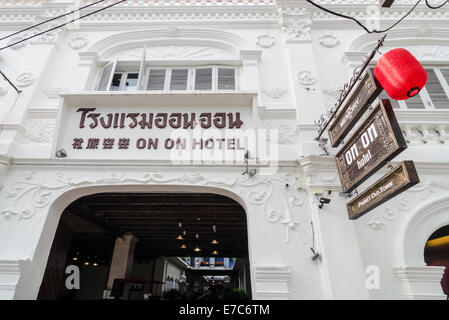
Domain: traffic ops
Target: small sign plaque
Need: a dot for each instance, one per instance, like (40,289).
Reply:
(377,140)
(364,94)
(393,183)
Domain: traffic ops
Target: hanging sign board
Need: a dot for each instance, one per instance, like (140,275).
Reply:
(363,95)
(393,183)
(377,140)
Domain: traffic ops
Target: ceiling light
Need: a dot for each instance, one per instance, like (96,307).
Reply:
(197,249)
(214,228)
(95,264)
(215,252)
(179,237)
(214,242)
(183,246)
(180,224)
(75,258)
(197,236)
(86,263)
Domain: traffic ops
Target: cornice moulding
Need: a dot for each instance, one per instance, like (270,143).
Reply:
(423,116)
(133,165)
(283,113)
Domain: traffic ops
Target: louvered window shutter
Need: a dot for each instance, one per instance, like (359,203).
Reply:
(436,91)
(226,79)
(415,102)
(156,79)
(203,79)
(106,76)
(445,73)
(394,103)
(178,80)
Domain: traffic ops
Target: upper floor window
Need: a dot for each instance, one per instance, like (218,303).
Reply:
(434,96)
(152,78)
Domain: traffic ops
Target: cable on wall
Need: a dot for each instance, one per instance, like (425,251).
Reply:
(49,20)
(361,24)
(61,25)
(437,7)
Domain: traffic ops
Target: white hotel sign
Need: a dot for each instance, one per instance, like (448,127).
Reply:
(177,127)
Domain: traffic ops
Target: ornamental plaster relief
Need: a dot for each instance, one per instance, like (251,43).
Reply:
(4,87)
(173,52)
(426,134)
(40,131)
(329,40)
(306,78)
(78,41)
(25,79)
(297,28)
(426,191)
(275,92)
(266,41)
(280,204)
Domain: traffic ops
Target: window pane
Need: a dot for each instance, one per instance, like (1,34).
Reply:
(436,92)
(203,79)
(394,103)
(105,76)
(131,82)
(116,80)
(178,79)
(156,80)
(226,79)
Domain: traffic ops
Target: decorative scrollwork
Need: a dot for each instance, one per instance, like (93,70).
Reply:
(347,88)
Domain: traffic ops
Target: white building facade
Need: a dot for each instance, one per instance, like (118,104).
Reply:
(264,66)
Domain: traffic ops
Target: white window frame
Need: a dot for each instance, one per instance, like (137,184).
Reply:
(123,83)
(424,94)
(143,78)
(191,76)
(114,66)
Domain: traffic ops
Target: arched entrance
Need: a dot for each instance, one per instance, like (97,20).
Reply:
(133,245)
(436,253)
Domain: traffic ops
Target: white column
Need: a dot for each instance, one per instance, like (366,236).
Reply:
(122,259)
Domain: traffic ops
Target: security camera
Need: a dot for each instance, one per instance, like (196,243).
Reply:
(323,201)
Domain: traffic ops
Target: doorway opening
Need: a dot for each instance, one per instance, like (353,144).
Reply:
(436,253)
(149,246)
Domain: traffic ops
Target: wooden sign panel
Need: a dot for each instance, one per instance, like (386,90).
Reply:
(393,183)
(364,94)
(377,140)
(386,3)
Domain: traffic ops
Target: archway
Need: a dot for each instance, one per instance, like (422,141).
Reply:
(162,260)
(420,281)
(436,253)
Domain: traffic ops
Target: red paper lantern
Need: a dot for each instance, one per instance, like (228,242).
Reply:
(400,74)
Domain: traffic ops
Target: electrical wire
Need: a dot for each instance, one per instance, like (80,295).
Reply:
(361,24)
(437,7)
(49,20)
(62,25)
